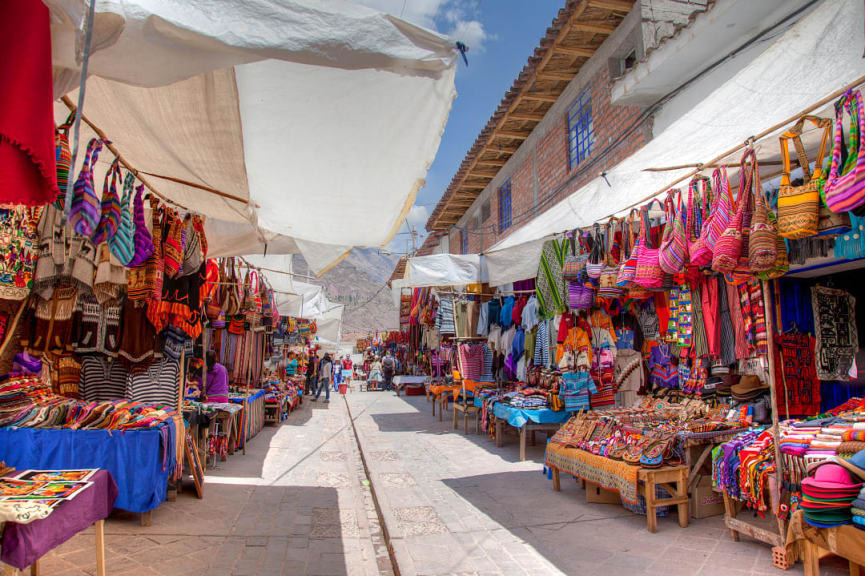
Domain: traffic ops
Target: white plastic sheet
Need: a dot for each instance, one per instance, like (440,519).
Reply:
(514,263)
(445,270)
(818,55)
(320,117)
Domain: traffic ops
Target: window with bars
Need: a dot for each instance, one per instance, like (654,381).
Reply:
(464,242)
(581,130)
(504,206)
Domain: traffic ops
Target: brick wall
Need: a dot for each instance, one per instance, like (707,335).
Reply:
(545,165)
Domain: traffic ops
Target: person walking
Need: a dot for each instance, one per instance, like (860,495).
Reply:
(325,372)
(388,366)
(311,374)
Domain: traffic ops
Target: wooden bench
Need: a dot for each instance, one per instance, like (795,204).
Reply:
(672,479)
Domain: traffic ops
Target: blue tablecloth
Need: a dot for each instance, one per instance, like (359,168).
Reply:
(134,458)
(239,399)
(518,417)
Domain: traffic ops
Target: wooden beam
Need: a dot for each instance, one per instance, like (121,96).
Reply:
(534,116)
(470,186)
(477,172)
(615,5)
(501,149)
(492,162)
(598,27)
(540,97)
(563,76)
(584,52)
(509,134)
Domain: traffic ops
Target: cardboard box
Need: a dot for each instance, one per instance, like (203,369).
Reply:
(705,502)
(596,494)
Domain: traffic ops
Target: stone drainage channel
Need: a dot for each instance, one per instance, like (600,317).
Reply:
(384,555)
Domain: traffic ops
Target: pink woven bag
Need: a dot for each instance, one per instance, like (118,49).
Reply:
(846,192)
(649,273)
(722,210)
(674,248)
(728,249)
(699,218)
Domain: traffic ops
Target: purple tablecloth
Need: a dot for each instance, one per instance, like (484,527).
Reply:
(23,544)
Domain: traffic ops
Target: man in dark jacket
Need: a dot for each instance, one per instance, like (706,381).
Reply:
(388,366)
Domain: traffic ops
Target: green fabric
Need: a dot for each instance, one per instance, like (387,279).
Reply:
(550,286)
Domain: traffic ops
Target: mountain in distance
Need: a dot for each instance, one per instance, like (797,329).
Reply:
(358,282)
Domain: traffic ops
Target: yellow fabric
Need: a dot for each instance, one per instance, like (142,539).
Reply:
(577,341)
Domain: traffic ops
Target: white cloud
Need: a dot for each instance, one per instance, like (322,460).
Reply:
(418,215)
(471,33)
(460,16)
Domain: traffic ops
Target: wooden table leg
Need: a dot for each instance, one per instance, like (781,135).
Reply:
(523,434)
(532,437)
(455,416)
(557,486)
(651,513)
(499,440)
(730,511)
(682,492)
(100,547)
(856,569)
(147,518)
(34,568)
(434,401)
(810,558)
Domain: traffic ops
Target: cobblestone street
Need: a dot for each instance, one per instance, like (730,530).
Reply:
(298,503)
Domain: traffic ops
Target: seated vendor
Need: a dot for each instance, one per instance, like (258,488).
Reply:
(216,387)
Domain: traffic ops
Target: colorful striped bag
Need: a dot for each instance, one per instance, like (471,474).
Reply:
(799,206)
(674,248)
(649,273)
(699,218)
(845,192)
(84,213)
(729,245)
(109,220)
(630,251)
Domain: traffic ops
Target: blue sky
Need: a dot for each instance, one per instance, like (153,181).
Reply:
(501,35)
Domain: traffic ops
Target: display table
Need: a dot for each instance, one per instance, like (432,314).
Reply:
(440,394)
(409,381)
(629,481)
(847,541)
(139,461)
(24,544)
(527,422)
(252,418)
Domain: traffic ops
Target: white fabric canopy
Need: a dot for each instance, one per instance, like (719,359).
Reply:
(445,270)
(819,54)
(319,118)
(513,263)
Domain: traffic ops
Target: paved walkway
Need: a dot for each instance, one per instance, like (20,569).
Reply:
(298,503)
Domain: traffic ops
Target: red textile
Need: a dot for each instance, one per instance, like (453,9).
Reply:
(565,324)
(27,167)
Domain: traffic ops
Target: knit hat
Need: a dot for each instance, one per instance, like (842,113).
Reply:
(122,244)
(141,238)
(110,208)
(84,214)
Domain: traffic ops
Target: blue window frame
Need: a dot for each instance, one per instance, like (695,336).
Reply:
(504,206)
(464,241)
(581,130)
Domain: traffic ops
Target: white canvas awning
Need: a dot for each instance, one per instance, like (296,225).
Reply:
(818,55)
(513,263)
(318,120)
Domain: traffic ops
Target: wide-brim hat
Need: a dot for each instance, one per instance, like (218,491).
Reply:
(831,475)
(855,465)
(748,383)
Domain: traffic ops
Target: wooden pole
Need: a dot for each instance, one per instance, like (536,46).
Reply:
(770,331)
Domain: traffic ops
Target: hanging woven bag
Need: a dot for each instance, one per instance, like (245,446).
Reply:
(595,264)
(122,244)
(575,262)
(699,219)
(649,273)
(799,206)
(63,158)
(782,260)
(142,239)
(608,288)
(109,219)
(723,209)
(673,249)
(581,295)
(630,250)
(84,213)
(762,246)
(728,248)
(846,191)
